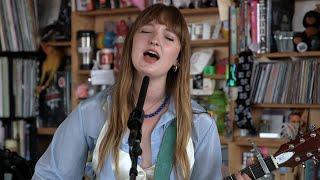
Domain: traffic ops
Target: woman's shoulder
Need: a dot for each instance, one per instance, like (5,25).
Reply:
(202,121)
(94,112)
(98,100)
(200,113)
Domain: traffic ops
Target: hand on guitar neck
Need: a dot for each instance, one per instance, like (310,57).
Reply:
(291,154)
(242,177)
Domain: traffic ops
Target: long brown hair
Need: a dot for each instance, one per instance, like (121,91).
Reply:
(177,85)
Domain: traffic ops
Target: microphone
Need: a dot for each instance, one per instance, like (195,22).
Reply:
(143,92)
(134,124)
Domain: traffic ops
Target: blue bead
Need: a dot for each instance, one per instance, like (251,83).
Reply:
(159,109)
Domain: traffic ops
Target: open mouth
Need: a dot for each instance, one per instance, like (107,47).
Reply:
(152,54)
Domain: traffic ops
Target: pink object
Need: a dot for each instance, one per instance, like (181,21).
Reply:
(138,3)
(82,91)
(264,151)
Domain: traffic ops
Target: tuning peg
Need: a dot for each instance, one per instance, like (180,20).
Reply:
(309,154)
(312,128)
(315,160)
(313,134)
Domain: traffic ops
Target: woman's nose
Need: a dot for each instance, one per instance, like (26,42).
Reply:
(154,42)
(155,39)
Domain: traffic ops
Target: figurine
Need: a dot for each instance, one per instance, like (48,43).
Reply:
(49,67)
(309,39)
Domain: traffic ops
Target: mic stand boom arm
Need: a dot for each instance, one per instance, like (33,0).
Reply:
(134,124)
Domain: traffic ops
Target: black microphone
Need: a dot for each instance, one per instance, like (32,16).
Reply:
(143,92)
(134,124)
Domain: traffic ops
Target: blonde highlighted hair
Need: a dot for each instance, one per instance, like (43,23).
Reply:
(177,85)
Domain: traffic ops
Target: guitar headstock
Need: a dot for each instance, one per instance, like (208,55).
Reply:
(297,151)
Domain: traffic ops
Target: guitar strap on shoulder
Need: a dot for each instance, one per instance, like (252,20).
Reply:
(166,153)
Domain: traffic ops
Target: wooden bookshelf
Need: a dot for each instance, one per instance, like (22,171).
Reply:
(46,130)
(199,11)
(209,43)
(290,54)
(110,12)
(268,142)
(223,140)
(59,43)
(84,72)
(133,10)
(284,106)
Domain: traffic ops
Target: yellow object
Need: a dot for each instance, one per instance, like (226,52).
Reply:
(100,40)
(49,67)
(225,33)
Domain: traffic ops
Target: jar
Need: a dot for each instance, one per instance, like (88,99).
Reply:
(86,41)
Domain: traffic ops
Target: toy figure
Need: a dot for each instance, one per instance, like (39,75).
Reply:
(309,39)
(49,67)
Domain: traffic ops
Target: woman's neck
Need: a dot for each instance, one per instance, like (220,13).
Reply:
(155,92)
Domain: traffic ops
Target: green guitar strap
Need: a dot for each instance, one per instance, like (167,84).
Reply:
(166,153)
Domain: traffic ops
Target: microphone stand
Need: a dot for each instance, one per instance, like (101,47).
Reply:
(134,124)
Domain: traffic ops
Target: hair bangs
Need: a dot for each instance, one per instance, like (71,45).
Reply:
(166,15)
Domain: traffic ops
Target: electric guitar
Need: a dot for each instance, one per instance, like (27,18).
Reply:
(291,154)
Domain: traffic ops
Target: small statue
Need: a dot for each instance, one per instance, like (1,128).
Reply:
(309,39)
(50,66)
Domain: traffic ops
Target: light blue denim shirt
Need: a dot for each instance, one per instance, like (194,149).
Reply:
(66,156)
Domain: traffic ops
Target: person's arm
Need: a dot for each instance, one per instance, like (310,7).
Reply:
(208,158)
(66,156)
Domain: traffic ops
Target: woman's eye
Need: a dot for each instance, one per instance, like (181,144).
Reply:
(170,38)
(145,31)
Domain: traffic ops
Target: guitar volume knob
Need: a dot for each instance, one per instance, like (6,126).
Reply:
(297,158)
(302,140)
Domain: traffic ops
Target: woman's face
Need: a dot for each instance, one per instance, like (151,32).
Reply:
(155,49)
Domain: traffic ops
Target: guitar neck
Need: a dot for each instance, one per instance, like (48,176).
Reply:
(255,171)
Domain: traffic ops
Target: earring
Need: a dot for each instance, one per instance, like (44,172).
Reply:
(175,68)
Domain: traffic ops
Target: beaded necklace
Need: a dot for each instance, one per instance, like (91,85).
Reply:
(159,108)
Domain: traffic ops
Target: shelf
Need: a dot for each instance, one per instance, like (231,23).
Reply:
(208,43)
(133,10)
(110,12)
(84,72)
(199,11)
(290,54)
(268,142)
(20,54)
(46,130)
(302,106)
(58,43)
(8,119)
(223,140)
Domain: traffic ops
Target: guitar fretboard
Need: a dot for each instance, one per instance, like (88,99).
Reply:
(255,171)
